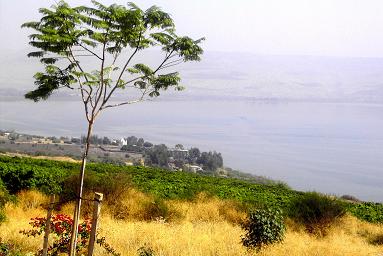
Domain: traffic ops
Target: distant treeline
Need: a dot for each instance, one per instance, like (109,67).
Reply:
(162,156)
(155,155)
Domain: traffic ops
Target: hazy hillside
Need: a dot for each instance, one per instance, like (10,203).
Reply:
(237,75)
(287,77)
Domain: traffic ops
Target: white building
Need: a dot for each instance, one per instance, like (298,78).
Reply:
(193,168)
(123,142)
(177,153)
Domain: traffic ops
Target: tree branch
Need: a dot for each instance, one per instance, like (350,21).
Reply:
(127,102)
(167,57)
(123,103)
(122,72)
(90,51)
(110,73)
(83,55)
(172,63)
(162,63)
(100,88)
(85,101)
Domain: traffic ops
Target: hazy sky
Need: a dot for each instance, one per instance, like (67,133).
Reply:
(292,27)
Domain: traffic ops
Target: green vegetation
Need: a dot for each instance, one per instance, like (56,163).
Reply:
(53,176)
(4,198)
(181,185)
(23,173)
(316,212)
(7,249)
(145,251)
(371,212)
(158,155)
(263,227)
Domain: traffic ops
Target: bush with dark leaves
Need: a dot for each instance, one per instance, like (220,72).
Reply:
(263,227)
(317,212)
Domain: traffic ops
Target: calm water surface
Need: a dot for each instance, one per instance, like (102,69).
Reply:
(327,147)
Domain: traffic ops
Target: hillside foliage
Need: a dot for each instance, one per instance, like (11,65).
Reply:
(52,176)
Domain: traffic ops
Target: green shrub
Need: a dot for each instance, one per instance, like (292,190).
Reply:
(112,185)
(377,240)
(145,251)
(155,210)
(7,249)
(4,198)
(316,212)
(263,227)
(2,216)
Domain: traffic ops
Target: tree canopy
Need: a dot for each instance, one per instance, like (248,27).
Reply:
(65,36)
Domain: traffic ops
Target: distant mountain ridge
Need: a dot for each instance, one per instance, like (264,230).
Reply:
(238,76)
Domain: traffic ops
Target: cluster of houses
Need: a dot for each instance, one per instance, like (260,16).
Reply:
(26,138)
(177,156)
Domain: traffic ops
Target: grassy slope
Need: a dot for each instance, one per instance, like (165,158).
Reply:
(48,174)
(201,230)
(203,224)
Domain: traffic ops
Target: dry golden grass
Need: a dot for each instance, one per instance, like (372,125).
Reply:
(56,158)
(204,226)
(338,242)
(207,209)
(185,238)
(137,206)
(18,219)
(31,199)
(132,207)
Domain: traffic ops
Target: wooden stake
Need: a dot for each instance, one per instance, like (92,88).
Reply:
(96,214)
(48,225)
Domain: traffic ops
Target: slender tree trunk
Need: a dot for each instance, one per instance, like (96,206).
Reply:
(77,210)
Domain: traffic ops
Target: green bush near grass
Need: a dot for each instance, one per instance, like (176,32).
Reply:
(4,198)
(156,210)
(112,185)
(262,228)
(8,249)
(145,251)
(316,212)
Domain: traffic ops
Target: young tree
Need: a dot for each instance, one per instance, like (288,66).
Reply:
(66,36)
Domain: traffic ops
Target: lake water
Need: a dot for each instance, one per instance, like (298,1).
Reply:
(328,147)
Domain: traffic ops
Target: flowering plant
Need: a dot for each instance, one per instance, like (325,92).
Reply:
(61,226)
